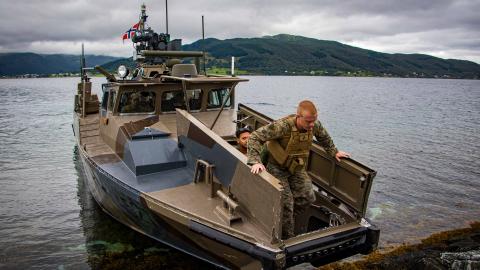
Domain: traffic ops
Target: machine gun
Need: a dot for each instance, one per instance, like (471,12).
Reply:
(149,40)
(146,39)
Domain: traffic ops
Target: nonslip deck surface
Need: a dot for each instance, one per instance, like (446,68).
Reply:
(194,199)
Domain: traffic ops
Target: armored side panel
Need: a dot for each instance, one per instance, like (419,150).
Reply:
(258,195)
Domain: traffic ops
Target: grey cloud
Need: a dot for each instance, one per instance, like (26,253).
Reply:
(451,25)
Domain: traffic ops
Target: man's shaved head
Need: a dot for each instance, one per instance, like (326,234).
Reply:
(306,106)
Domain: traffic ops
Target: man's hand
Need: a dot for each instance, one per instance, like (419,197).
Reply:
(257,168)
(341,154)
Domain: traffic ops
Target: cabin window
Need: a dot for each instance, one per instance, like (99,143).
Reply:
(194,99)
(175,99)
(137,102)
(216,97)
(111,100)
(105,100)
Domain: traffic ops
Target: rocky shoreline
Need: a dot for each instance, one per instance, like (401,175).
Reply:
(455,249)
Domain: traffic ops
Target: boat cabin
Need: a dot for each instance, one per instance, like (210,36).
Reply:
(162,91)
(210,99)
(126,99)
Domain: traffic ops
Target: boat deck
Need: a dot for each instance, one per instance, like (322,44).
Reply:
(194,200)
(172,187)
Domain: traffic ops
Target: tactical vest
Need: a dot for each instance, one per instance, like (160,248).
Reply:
(291,151)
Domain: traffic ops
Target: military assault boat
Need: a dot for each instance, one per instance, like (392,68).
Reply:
(159,156)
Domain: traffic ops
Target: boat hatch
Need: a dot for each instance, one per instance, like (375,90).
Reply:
(142,157)
(149,133)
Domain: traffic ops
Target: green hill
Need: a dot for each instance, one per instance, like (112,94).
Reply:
(287,54)
(12,64)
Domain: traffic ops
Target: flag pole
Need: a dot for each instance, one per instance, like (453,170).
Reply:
(203,47)
(166,14)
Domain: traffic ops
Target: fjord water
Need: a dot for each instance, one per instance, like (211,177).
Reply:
(421,135)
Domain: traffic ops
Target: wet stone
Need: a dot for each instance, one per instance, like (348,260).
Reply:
(462,260)
(456,249)
(431,264)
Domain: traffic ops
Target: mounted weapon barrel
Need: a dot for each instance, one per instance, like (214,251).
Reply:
(147,53)
(107,74)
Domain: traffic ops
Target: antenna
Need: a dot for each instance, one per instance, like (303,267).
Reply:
(203,47)
(82,64)
(143,17)
(166,14)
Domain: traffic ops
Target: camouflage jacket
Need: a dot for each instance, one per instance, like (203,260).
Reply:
(279,129)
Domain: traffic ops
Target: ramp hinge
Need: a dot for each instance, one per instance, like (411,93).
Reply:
(226,212)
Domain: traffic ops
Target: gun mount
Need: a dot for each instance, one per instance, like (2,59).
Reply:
(147,40)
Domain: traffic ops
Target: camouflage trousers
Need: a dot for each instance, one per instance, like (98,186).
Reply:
(297,195)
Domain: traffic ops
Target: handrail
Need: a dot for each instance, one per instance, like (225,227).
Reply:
(230,91)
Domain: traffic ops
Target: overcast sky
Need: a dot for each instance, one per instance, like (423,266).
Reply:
(443,28)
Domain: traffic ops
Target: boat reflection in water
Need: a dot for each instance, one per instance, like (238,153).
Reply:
(111,245)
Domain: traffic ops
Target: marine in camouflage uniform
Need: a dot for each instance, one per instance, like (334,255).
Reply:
(290,168)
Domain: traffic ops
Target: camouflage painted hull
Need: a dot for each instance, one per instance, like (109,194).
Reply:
(127,207)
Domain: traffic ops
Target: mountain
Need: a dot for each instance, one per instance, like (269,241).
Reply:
(270,55)
(12,64)
(286,54)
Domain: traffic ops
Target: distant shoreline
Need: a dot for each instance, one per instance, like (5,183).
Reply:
(34,76)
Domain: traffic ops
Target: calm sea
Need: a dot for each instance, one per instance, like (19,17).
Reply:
(421,135)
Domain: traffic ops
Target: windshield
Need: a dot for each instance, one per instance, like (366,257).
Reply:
(175,99)
(216,97)
(137,102)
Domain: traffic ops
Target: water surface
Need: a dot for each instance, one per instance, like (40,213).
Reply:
(421,135)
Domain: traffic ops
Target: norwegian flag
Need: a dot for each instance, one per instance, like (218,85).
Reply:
(130,32)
